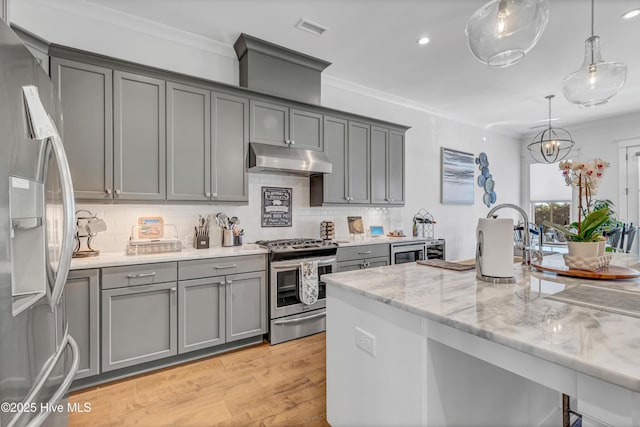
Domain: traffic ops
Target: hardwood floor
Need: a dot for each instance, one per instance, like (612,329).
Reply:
(258,386)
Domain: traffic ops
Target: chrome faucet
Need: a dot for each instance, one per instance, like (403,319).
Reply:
(526,249)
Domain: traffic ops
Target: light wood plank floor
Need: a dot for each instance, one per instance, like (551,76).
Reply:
(261,385)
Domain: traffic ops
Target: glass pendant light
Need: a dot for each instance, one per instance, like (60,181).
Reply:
(501,32)
(552,144)
(596,81)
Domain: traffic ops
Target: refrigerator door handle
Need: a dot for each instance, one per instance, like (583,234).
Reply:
(68,204)
(62,389)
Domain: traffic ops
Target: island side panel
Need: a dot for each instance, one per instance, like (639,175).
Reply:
(363,389)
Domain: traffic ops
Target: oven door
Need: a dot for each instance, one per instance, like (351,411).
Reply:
(285,281)
(407,253)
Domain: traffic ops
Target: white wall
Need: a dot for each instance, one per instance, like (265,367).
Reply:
(147,43)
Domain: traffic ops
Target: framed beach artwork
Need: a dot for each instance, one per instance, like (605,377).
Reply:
(457,177)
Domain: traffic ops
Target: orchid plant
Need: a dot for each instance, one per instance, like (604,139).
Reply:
(585,177)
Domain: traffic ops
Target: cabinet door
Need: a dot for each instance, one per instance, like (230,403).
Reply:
(188,143)
(230,137)
(139,137)
(201,313)
(269,123)
(335,145)
(139,324)
(81,296)
(246,309)
(377,262)
(358,162)
(86,100)
(379,166)
(4,10)
(306,129)
(396,168)
(356,264)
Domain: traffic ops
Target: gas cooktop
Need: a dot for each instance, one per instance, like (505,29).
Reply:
(298,248)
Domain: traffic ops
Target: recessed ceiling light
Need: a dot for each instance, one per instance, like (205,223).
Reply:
(312,27)
(631,14)
(423,41)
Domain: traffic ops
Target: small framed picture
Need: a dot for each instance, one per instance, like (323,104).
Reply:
(355,225)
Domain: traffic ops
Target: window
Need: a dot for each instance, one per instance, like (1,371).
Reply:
(550,197)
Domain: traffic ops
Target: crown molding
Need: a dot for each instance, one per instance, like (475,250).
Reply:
(86,9)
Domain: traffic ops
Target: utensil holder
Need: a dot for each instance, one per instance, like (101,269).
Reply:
(237,240)
(227,237)
(200,242)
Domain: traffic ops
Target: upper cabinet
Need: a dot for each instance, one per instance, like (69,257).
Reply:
(358,162)
(113,131)
(277,124)
(387,166)
(207,145)
(139,143)
(4,10)
(86,99)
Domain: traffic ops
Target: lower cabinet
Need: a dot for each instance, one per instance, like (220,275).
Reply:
(364,256)
(82,304)
(139,324)
(246,305)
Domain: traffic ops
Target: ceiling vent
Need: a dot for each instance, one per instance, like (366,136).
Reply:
(311,27)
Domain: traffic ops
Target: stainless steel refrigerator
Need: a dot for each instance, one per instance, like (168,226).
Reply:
(38,358)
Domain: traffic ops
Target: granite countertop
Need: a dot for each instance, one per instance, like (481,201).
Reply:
(113,259)
(595,342)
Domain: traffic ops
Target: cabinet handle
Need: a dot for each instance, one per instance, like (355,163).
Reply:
(215,194)
(108,191)
(222,283)
(346,198)
(229,282)
(351,198)
(225,266)
(287,141)
(137,276)
(117,192)
(173,290)
(207,194)
(364,253)
(391,200)
(292,142)
(366,265)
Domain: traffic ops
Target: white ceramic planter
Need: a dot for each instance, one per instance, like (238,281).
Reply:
(585,249)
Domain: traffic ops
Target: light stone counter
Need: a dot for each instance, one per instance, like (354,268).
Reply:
(113,259)
(593,343)
(378,240)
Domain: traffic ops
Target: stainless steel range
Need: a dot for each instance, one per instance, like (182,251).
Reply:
(290,318)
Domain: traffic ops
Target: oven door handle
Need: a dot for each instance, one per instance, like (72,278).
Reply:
(326,261)
(289,266)
(301,319)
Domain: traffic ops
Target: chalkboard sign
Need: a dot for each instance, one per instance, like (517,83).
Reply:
(276,207)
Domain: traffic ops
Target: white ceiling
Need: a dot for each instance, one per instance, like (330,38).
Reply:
(373,43)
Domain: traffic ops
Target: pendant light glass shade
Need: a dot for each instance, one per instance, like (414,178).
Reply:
(552,144)
(501,32)
(596,81)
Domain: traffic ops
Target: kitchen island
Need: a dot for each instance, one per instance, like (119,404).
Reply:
(416,345)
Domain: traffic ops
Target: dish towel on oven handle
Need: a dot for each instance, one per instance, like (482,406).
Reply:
(308,290)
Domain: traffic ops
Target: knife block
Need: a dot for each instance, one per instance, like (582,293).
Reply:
(200,242)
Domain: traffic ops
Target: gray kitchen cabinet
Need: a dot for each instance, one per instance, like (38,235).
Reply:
(278,124)
(207,136)
(233,302)
(38,47)
(139,324)
(82,304)
(331,188)
(86,100)
(396,172)
(229,140)
(246,305)
(363,256)
(201,313)
(358,160)
(387,166)
(4,10)
(139,145)
(188,142)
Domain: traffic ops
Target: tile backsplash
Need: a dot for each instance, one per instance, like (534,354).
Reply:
(120,218)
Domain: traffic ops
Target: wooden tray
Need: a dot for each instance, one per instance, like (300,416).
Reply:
(612,272)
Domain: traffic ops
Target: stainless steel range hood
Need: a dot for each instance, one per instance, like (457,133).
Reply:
(287,160)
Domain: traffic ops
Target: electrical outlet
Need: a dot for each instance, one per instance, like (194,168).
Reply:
(366,341)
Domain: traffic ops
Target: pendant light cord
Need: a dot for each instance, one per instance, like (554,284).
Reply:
(592,26)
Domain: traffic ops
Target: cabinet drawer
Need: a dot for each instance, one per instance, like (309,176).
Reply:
(363,252)
(143,274)
(195,269)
